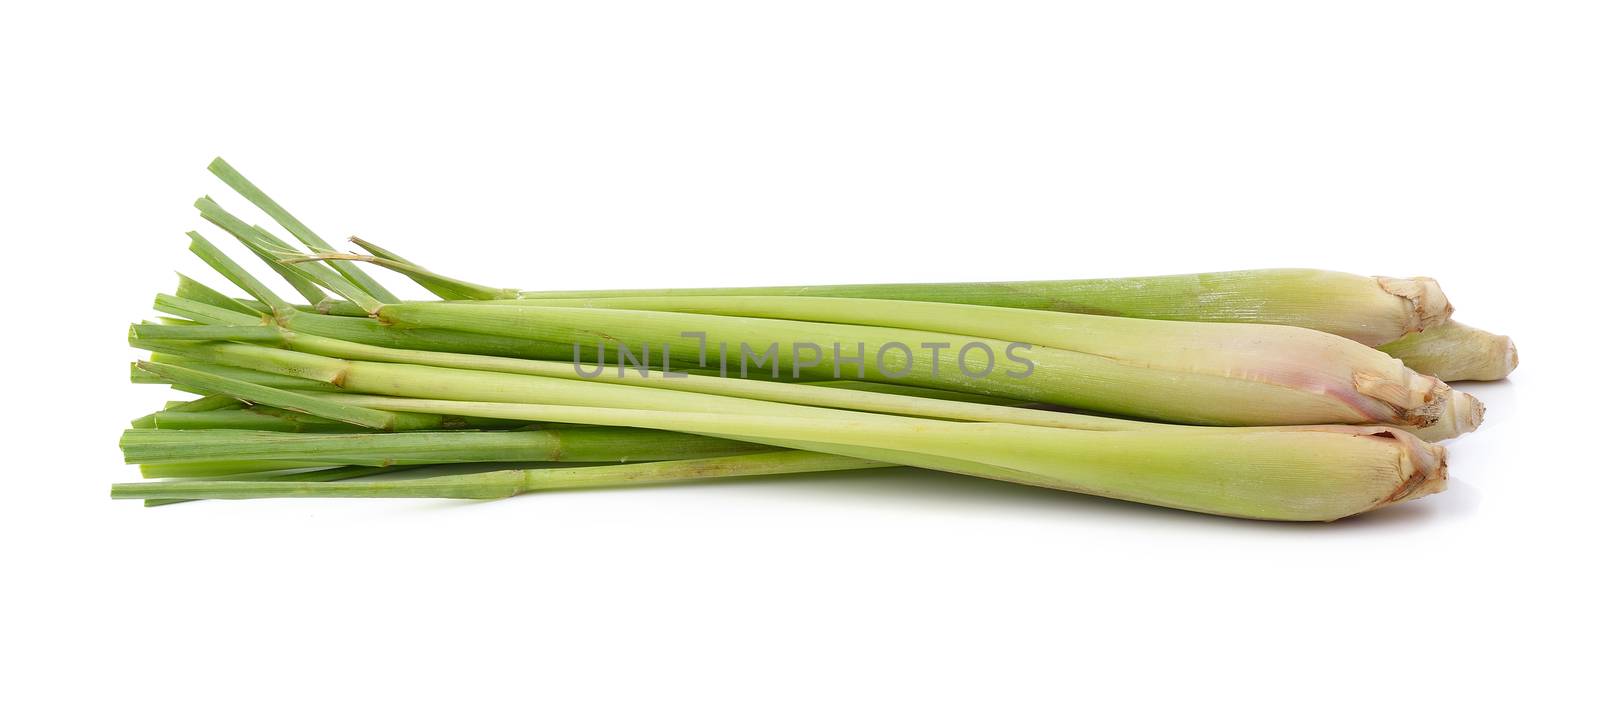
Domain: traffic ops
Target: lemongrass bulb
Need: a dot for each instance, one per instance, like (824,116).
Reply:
(1454,351)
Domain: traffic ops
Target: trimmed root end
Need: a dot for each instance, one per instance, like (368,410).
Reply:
(1480,355)
(1426,302)
(1462,413)
(1469,411)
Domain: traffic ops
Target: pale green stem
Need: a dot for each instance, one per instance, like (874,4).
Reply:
(285,399)
(165,447)
(195,291)
(1368,310)
(270,249)
(503,484)
(1454,351)
(1220,374)
(332,474)
(235,274)
(1278,475)
(257,197)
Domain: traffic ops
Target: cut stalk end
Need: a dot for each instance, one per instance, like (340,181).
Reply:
(1454,351)
(1428,306)
(1461,414)
(1466,410)
(1423,468)
(1417,400)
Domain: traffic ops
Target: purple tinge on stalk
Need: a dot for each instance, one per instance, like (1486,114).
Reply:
(1371,386)
(1464,412)
(1448,413)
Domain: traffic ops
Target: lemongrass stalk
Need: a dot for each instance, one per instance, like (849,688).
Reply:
(438,382)
(266,247)
(282,420)
(442,286)
(447,289)
(165,446)
(366,330)
(410,380)
(270,469)
(286,399)
(1368,310)
(391,379)
(342,308)
(197,406)
(248,190)
(473,377)
(245,334)
(303,285)
(451,383)
(383,253)
(892,399)
(269,307)
(374,352)
(500,484)
(743,465)
(208,311)
(1290,350)
(204,313)
(859,450)
(1454,351)
(503,484)
(196,291)
(341,473)
(249,418)
(234,273)
(207,403)
(559,383)
(221,468)
(1197,373)
(1309,474)
(914,391)
(138,376)
(325,307)
(272,250)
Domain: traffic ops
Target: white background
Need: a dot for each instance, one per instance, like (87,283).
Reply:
(608,145)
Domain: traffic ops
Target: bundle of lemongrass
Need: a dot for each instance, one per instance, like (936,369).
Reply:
(1287,394)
